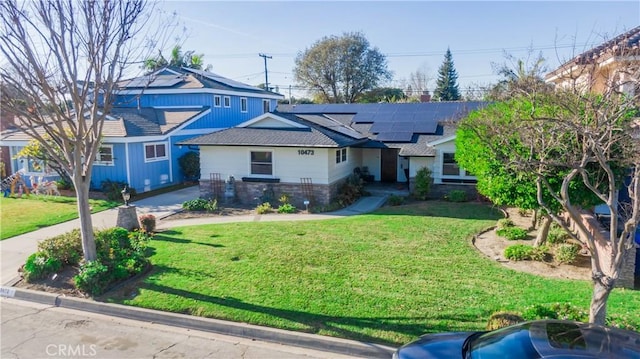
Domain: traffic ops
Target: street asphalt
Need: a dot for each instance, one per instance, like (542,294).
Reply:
(15,250)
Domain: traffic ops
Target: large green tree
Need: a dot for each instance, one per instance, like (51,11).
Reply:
(62,61)
(496,182)
(178,59)
(570,141)
(447,82)
(339,69)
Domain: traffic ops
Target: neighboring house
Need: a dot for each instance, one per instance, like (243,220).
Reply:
(603,66)
(613,65)
(308,151)
(150,115)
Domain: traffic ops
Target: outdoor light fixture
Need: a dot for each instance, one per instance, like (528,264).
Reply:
(306,204)
(126,195)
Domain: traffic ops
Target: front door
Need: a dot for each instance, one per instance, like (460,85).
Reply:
(389,164)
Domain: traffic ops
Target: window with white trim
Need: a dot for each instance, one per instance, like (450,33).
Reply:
(341,155)
(266,106)
(243,104)
(449,165)
(227,101)
(104,157)
(262,163)
(216,100)
(155,151)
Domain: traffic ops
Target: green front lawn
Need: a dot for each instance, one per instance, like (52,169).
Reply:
(386,277)
(22,215)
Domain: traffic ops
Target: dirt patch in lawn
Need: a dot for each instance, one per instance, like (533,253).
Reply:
(60,283)
(492,245)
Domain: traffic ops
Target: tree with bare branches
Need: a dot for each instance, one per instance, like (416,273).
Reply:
(580,137)
(63,60)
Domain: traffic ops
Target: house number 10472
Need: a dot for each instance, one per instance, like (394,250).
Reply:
(305,152)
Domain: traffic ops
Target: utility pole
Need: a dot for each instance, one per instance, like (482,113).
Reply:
(266,75)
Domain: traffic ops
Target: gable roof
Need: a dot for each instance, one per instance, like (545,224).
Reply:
(407,127)
(627,44)
(305,134)
(132,122)
(184,78)
(153,121)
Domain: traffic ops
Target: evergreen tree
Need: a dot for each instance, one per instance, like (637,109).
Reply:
(447,85)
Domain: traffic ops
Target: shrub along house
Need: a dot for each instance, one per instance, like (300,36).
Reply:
(308,151)
(150,115)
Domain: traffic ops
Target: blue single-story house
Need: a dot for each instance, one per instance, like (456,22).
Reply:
(151,114)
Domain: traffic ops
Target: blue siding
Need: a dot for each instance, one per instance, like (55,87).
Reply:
(220,117)
(178,152)
(117,172)
(147,176)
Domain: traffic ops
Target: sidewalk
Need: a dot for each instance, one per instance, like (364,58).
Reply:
(15,250)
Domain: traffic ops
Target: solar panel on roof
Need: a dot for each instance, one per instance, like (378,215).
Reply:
(381,127)
(363,117)
(348,132)
(402,126)
(425,127)
(223,80)
(166,82)
(395,136)
(320,120)
(154,81)
(332,125)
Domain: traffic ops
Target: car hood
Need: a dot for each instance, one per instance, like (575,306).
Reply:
(442,345)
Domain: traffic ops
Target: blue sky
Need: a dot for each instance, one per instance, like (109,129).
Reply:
(412,34)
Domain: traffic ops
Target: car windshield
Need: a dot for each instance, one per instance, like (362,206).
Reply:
(512,340)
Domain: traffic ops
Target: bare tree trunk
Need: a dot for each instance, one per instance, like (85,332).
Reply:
(543,231)
(601,291)
(86,224)
(534,219)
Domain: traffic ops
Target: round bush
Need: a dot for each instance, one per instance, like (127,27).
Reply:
(423,181)
(38,265)
(567,253)
(395,200)
(505,223)
(286,208)
(518,252)
(512,233)
(66,248)
(557,235)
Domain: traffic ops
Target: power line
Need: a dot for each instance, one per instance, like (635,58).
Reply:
(427,53)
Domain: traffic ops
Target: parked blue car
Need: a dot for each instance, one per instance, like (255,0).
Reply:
(530,340)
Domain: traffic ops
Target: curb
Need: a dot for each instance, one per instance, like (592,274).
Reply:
(280,336)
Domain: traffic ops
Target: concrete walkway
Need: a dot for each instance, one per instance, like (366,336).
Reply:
(15,250)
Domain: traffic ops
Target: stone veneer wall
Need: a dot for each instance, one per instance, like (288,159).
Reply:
(249,192)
